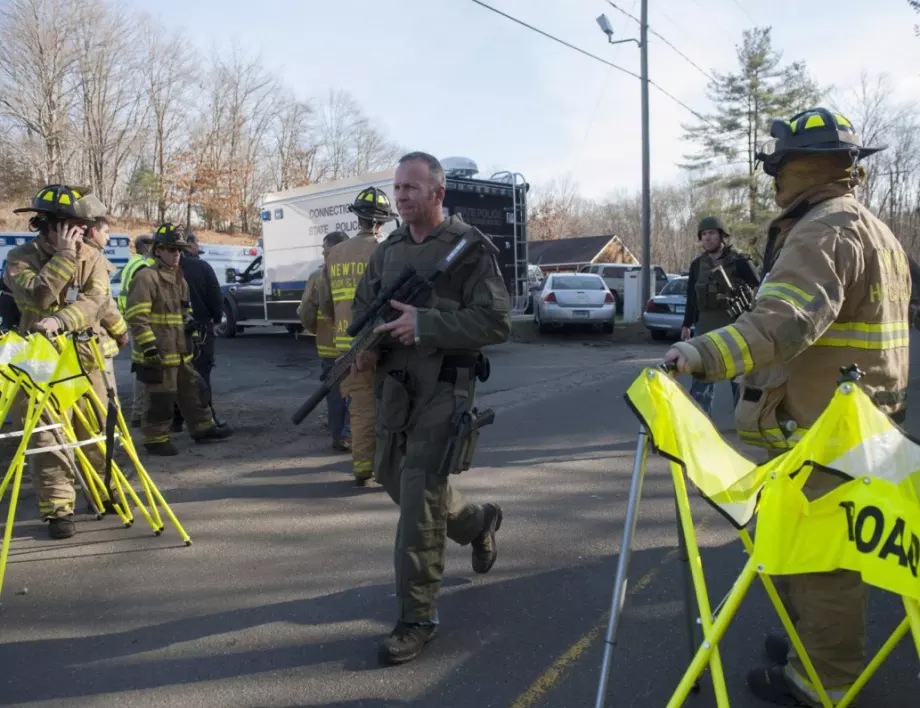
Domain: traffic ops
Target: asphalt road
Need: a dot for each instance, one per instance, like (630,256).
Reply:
(287,589)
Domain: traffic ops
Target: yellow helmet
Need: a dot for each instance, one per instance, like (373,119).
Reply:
(817,130)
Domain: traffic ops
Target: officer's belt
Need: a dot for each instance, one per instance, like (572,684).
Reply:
(474,364)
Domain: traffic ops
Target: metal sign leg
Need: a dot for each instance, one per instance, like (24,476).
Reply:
(619,586)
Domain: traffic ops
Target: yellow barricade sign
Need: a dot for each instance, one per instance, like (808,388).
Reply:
(682,432)
(870,524)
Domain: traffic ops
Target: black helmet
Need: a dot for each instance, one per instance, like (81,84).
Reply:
(170,235)
(63,202)
(373,204)
(815,131)
(711,222)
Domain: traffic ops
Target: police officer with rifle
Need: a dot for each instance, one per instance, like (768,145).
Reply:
(431,298)
(719,288)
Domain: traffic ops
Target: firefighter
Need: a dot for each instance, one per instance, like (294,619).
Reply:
(140,259)
(425,371)
(59,283)
(707,307)
(342,273)
(315,321)
(836,292)
(159,315)
(97,236)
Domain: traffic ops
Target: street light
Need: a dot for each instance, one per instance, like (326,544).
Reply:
(646,210)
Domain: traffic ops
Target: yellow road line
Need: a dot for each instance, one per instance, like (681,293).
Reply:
(550,678)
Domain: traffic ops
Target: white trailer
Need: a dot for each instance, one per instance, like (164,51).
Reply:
(295,222)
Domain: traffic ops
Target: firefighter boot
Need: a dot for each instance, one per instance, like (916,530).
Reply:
(213,433)
(485,551)
(163,449)
(776,647)
(61,527)
(406,642)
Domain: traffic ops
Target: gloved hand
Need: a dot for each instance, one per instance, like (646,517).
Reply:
(685,358)
(122,340)
(152,357)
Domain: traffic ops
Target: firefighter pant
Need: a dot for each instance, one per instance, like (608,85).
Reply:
(53,473)
(359,394)
(408,465)
(336,407)
(829,611)
(203,364)
(180,384)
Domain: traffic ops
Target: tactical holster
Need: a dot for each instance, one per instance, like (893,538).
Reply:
(467,420)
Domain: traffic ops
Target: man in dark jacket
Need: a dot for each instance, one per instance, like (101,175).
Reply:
(207,310)
(706,305)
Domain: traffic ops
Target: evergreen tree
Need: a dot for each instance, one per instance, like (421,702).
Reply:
(745,102)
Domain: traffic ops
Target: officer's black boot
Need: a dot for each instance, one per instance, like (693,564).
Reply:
(213,433)
(485,550)
(61,527)
(163,449)
(406,642)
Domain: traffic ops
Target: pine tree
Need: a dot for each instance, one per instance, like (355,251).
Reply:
(745,102)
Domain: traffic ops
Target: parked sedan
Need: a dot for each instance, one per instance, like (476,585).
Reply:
(664,313)
(572,299)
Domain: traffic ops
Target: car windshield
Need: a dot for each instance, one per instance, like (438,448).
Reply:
(573,282)
(678,286)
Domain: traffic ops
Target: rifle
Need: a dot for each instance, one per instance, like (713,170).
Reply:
(410,288)
(739,298)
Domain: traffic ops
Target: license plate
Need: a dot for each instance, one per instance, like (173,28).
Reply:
(581,313)
(679,309)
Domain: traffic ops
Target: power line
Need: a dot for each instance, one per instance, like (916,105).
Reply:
(596,58)
(746,13)
(666,41)
(556,39)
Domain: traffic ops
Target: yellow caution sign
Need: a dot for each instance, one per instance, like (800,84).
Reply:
(870,523)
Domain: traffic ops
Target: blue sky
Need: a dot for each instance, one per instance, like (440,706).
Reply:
(452,78)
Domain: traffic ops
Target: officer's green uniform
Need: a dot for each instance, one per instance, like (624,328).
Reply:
(418,389)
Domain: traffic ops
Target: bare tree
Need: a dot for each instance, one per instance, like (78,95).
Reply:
(112,106)
(294,156)
(168,73)
(350,145)
(36,93)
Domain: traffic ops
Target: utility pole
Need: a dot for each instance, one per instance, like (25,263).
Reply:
(646,218)
(619,588)
(646,208)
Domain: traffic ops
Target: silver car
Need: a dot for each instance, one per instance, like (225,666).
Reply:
(664,313)
(574,299)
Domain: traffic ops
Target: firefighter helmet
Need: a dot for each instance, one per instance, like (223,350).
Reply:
(170,235)
(65,202)
(711,222)
(373,204)
(815,131)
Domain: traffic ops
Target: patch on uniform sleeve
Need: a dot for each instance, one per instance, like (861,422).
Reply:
(500,299)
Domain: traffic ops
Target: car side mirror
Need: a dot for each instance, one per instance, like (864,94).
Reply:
(231,275)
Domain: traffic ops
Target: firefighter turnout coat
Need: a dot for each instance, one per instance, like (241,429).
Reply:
(837,293)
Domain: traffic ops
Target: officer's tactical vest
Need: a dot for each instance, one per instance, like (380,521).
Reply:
(712,313)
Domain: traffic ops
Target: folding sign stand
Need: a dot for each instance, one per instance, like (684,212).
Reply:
(100,493)
(715,624)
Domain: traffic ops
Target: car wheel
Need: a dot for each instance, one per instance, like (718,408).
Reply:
(658,334)
(227,327)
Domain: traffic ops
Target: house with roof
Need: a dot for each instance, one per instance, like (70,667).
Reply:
(571,254)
